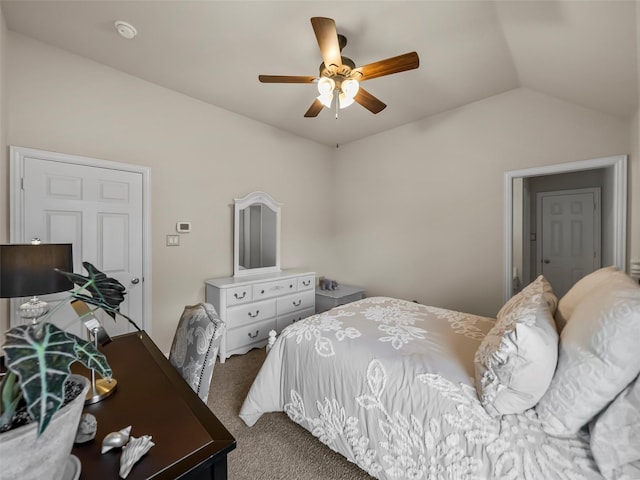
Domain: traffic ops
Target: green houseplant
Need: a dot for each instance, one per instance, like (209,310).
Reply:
(39,356)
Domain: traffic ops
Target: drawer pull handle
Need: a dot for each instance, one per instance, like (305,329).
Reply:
(297,303)
(274,288)
(306,283)
(254,315)
(254,335)
(290,285)
(240,297)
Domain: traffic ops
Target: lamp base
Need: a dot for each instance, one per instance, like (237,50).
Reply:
(33,309)
(99,390)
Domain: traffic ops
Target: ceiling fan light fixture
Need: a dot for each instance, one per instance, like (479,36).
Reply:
(350,88)
(326,86)
(345,100)
(326,99)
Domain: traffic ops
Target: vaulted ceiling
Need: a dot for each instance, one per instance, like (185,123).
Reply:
(583,52)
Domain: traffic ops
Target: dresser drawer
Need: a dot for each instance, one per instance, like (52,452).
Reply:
(306,282)
(248,334)
(275,288)
(237,295)
(289,318)
(295,302)
(253,312)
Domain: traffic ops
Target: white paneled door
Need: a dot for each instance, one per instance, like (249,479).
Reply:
(100,211)
(569,236)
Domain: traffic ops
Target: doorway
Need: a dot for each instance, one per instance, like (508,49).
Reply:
(519,212)
(101,208)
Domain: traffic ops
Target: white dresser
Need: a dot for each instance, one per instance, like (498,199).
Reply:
(251,306)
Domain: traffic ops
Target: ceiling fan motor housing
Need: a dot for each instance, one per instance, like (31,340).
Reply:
(347,70)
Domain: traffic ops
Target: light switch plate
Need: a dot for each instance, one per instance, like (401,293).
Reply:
(173,240)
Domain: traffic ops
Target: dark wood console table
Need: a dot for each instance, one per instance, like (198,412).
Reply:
(190,442)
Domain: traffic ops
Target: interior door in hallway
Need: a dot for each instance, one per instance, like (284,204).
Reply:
(568,236)
(98,210)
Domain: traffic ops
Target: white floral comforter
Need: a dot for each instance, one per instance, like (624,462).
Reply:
(389,384)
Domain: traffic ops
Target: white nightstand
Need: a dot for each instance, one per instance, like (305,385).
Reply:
(327,299)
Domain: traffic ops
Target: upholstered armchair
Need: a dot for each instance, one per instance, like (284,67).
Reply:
(195,346)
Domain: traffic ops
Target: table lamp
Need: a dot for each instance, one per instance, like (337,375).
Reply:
(27,270)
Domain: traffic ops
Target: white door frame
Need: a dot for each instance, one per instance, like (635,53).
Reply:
(16,206)
(619,165)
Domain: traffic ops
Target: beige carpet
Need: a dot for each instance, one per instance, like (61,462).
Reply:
(275,448)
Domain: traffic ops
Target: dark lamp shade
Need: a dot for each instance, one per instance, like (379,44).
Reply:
(27,270)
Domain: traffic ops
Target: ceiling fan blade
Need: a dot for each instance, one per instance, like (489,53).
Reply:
(401,63)
(314,109)
(286,79)
(368,101)
(327,36)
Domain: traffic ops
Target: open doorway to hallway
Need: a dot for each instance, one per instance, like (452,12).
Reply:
(522,187)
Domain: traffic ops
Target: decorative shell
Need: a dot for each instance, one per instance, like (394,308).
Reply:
(87,428)
(116,439)
(132,452)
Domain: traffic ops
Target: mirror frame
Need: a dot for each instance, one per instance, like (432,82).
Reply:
(619,165)
(240,204)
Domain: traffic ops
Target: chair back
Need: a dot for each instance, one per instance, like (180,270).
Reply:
(195,346)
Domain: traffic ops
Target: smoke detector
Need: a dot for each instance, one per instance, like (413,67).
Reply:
(125,29)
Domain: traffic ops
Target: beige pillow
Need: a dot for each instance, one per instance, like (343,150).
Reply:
(514,363)
(597,359)
(572,298)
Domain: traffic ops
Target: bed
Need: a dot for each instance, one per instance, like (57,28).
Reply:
(406,390)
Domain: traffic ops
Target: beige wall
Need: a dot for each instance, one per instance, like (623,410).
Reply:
(201,157)
(421,206)
(416,212)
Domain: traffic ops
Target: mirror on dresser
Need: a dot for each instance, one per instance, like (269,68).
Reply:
(259,297)
(256,236)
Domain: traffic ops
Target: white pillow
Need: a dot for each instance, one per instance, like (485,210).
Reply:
(580,289)
(615,436)
(598,357)
(531,289)
(514,363)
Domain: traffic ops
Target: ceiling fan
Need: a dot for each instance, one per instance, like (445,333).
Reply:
(339,74)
